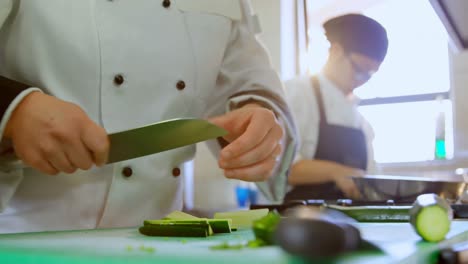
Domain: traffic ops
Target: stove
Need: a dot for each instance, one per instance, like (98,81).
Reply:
(363,211)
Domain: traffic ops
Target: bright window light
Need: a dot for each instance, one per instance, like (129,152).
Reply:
(417,60)
(405,132)
(417,63)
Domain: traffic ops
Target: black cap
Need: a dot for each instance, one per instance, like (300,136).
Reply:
(358,33)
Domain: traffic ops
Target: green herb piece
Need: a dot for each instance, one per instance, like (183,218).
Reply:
(227,246)
(264,228)
(147,249)
(256,243)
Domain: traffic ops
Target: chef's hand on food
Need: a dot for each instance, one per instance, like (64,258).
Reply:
(254,136)
(55,136)
(346,184)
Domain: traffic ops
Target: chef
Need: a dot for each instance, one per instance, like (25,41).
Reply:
(336,141)
(100,66)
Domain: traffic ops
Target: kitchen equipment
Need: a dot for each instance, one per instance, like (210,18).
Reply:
(406,188)
(150,139)
(362,211)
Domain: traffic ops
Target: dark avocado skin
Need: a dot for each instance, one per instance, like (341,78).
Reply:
(316,238)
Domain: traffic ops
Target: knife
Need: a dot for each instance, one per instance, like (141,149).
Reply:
(147,140)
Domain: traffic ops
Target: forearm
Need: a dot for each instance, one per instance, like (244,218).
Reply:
(12,94)
(318,171)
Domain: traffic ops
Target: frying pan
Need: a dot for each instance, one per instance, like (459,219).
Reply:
(407,188)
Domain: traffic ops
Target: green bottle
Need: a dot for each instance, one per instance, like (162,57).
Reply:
(440,147)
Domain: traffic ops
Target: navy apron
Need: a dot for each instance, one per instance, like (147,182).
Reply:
(336,143)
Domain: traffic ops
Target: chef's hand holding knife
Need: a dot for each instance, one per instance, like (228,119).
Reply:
(254,136)
(52,135)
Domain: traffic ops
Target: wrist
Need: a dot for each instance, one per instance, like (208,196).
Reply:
(16,114)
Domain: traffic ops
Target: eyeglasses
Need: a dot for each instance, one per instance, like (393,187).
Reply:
(361,74)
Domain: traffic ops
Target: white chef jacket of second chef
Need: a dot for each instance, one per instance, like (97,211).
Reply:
(339,109)
(176,60)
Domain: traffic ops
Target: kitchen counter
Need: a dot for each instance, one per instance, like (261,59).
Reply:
(397,241)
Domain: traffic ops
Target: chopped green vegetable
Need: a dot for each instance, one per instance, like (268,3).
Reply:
(242,219)
(129,248)
(147,249)
(251,244)
(227,246)
(220,225)
(256,243)
(384,214)
(176,222)
(190,230)
(217,225)
(180,224)
(178,215)
(264,228)
(431,217)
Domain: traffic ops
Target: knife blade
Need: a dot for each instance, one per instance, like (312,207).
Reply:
(160,137)
(147,140)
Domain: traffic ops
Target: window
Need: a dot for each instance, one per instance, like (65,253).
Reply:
(400,100)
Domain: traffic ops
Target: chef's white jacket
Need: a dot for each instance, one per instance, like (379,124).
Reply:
(74,50)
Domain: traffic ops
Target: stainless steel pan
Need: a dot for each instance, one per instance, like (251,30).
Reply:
(406,188)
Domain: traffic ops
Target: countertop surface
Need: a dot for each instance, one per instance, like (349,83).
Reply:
(397,241)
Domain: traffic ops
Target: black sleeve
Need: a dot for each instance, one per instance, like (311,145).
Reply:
(9,90)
